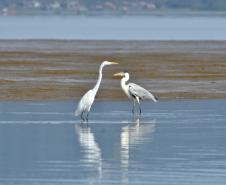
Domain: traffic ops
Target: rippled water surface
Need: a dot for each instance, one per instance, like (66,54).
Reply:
(174,142)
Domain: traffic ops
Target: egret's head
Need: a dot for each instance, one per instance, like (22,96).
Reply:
(106,63)
(122,74)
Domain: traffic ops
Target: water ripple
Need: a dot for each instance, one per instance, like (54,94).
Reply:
(179,143)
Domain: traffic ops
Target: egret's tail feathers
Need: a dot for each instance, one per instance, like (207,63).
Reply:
(154,98)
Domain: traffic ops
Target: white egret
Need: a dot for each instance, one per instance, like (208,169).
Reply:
(134,91)
(88,98)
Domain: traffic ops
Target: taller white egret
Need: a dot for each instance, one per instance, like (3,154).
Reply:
(88,98)
(134,91)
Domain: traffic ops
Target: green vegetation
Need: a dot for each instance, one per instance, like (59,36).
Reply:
(192,4)
(170,69)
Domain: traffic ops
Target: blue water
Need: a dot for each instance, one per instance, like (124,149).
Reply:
(174,142)
(113,28)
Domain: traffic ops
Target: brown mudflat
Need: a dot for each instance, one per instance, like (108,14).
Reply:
(63,69)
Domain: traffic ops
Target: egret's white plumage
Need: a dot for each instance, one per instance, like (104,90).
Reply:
(88,98)
(134,91)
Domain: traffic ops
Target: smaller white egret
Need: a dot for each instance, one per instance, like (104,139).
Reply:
(88,98)
(134,91)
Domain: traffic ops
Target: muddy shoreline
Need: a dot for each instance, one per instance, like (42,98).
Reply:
(65,69)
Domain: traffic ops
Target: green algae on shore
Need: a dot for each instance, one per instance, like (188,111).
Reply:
(59,70)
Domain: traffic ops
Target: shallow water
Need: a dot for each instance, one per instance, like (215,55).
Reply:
(174,142)
(114,28)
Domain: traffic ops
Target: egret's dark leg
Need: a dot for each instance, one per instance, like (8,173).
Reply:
(133,106)
(139,108)
(87,117)
(83,119)
(138,101)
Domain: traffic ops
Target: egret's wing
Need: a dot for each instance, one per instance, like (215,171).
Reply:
(136,90)
(85,102)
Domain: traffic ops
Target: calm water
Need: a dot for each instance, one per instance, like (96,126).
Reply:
(115,28)
(174,142)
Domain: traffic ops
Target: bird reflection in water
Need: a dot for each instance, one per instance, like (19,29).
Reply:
(92,152)
(132,135)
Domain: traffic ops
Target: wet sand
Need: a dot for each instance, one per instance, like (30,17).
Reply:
(64,69)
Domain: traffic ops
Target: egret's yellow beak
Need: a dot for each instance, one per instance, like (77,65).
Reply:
(119,74)
(114,63)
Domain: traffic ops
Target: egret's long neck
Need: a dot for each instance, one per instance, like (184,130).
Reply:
(123,83)
(96,87)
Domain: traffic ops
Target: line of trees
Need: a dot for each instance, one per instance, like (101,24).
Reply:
(159,4)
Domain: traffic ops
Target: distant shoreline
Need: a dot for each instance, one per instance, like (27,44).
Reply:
(164,12)
(65,69)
